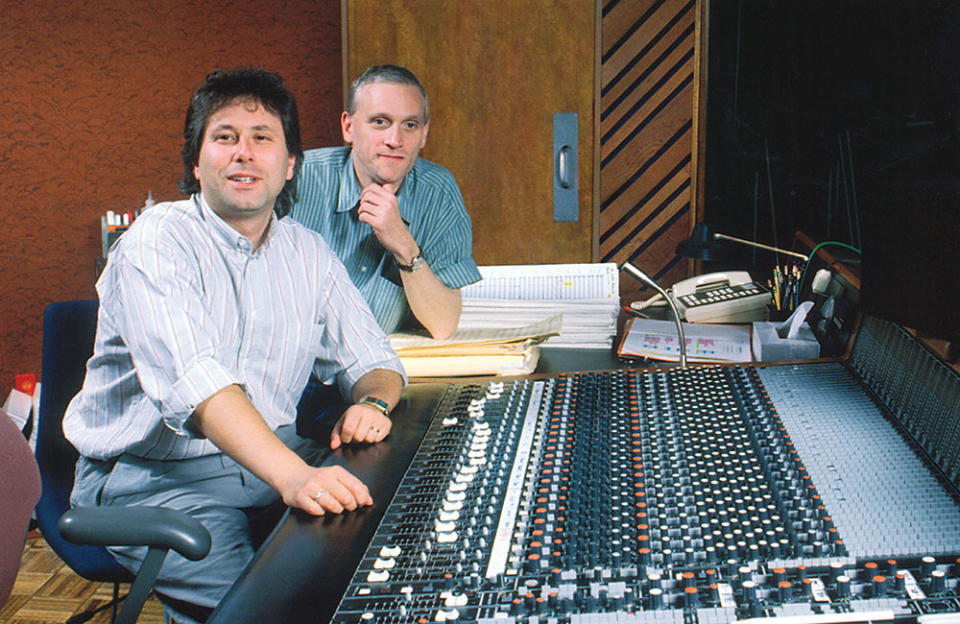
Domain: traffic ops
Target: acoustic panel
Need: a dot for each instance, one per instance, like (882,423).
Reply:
(647,133)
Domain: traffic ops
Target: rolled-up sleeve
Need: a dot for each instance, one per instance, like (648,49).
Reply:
(452,250)
(353,343)
(442,226)
(171,336)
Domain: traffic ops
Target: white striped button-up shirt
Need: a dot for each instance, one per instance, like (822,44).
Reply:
(430,204)
(188,308)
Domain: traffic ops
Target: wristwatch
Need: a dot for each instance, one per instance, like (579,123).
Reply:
(417,262)
(378,404)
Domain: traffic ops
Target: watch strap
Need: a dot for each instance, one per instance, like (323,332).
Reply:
(376,403)
(415,263)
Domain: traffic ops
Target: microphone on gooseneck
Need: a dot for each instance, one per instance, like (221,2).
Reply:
(637,274)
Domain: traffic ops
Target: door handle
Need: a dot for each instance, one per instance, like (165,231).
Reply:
(566,201)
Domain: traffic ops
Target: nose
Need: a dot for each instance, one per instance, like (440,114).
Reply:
(243,151)
(394,136)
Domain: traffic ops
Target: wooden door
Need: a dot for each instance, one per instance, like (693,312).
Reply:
(496,72)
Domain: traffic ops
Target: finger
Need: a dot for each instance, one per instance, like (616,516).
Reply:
(345,492)
(384,429)
(335,439)
(369,430)
(348,428)
(374,196)
(366,217)
(312,507)
(330,498)
(378,430)
(358,490)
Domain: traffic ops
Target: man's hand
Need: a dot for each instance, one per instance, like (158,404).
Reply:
(436,306)
(331,489)
(381,211)
(231,422)
(360,423)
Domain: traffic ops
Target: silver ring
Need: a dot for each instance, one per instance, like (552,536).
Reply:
(318,496)
(376,429)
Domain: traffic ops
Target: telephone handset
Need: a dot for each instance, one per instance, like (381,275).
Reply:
(725,297)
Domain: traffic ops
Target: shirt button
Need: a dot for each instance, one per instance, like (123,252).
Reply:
(363,269)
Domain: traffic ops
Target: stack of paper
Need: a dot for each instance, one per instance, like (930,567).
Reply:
(586,295)
(511,351)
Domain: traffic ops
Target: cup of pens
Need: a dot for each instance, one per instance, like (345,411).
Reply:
(785,285)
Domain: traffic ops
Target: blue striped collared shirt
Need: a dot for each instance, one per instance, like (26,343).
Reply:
(431,206)
(188,308)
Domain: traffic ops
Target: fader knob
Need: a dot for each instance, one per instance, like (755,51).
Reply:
(784,591)
(843,586)
(938,582)
(879,585)
(656,598)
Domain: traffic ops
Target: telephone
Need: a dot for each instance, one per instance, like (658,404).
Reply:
(726,297)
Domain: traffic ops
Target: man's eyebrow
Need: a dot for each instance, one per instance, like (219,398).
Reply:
(231,127)
(418,117)
(221,126)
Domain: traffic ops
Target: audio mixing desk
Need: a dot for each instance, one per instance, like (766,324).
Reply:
(814,492)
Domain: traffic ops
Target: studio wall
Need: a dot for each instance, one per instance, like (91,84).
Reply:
(91,117)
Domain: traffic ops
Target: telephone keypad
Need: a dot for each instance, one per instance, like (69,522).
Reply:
(717,295)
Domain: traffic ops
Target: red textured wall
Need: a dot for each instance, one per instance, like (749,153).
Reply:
(92,99)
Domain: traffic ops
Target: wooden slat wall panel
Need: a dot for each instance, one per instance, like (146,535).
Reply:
(647,104)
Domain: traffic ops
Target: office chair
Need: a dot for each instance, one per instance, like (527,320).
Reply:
(79,536)
(19,491)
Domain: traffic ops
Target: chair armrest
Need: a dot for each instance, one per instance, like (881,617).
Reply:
(136,526)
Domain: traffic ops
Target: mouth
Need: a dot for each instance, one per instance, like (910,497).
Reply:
(242,178)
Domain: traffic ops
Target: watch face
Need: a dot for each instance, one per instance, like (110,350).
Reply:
(415,264)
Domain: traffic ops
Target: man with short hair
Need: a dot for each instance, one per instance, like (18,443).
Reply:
(213,313)
(397,221)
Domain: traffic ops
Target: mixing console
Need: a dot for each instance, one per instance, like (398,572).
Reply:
(705,494)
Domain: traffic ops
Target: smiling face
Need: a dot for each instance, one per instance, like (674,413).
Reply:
(243,163)
(387,131)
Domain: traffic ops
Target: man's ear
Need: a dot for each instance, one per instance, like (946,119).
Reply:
(346,126)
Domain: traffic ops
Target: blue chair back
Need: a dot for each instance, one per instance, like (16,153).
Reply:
(68,332)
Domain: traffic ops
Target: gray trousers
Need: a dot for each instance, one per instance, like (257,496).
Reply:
(213,489)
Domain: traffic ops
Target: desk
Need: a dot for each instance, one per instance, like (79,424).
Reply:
(302,570)
(553,360)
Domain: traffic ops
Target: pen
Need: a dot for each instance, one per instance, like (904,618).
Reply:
(776,287)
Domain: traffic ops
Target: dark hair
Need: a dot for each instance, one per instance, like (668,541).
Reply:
(221,88)
(386,73)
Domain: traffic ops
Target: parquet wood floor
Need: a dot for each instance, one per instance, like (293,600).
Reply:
(47,591)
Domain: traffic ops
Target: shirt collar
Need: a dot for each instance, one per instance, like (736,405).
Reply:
(350,189)
(224,232)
